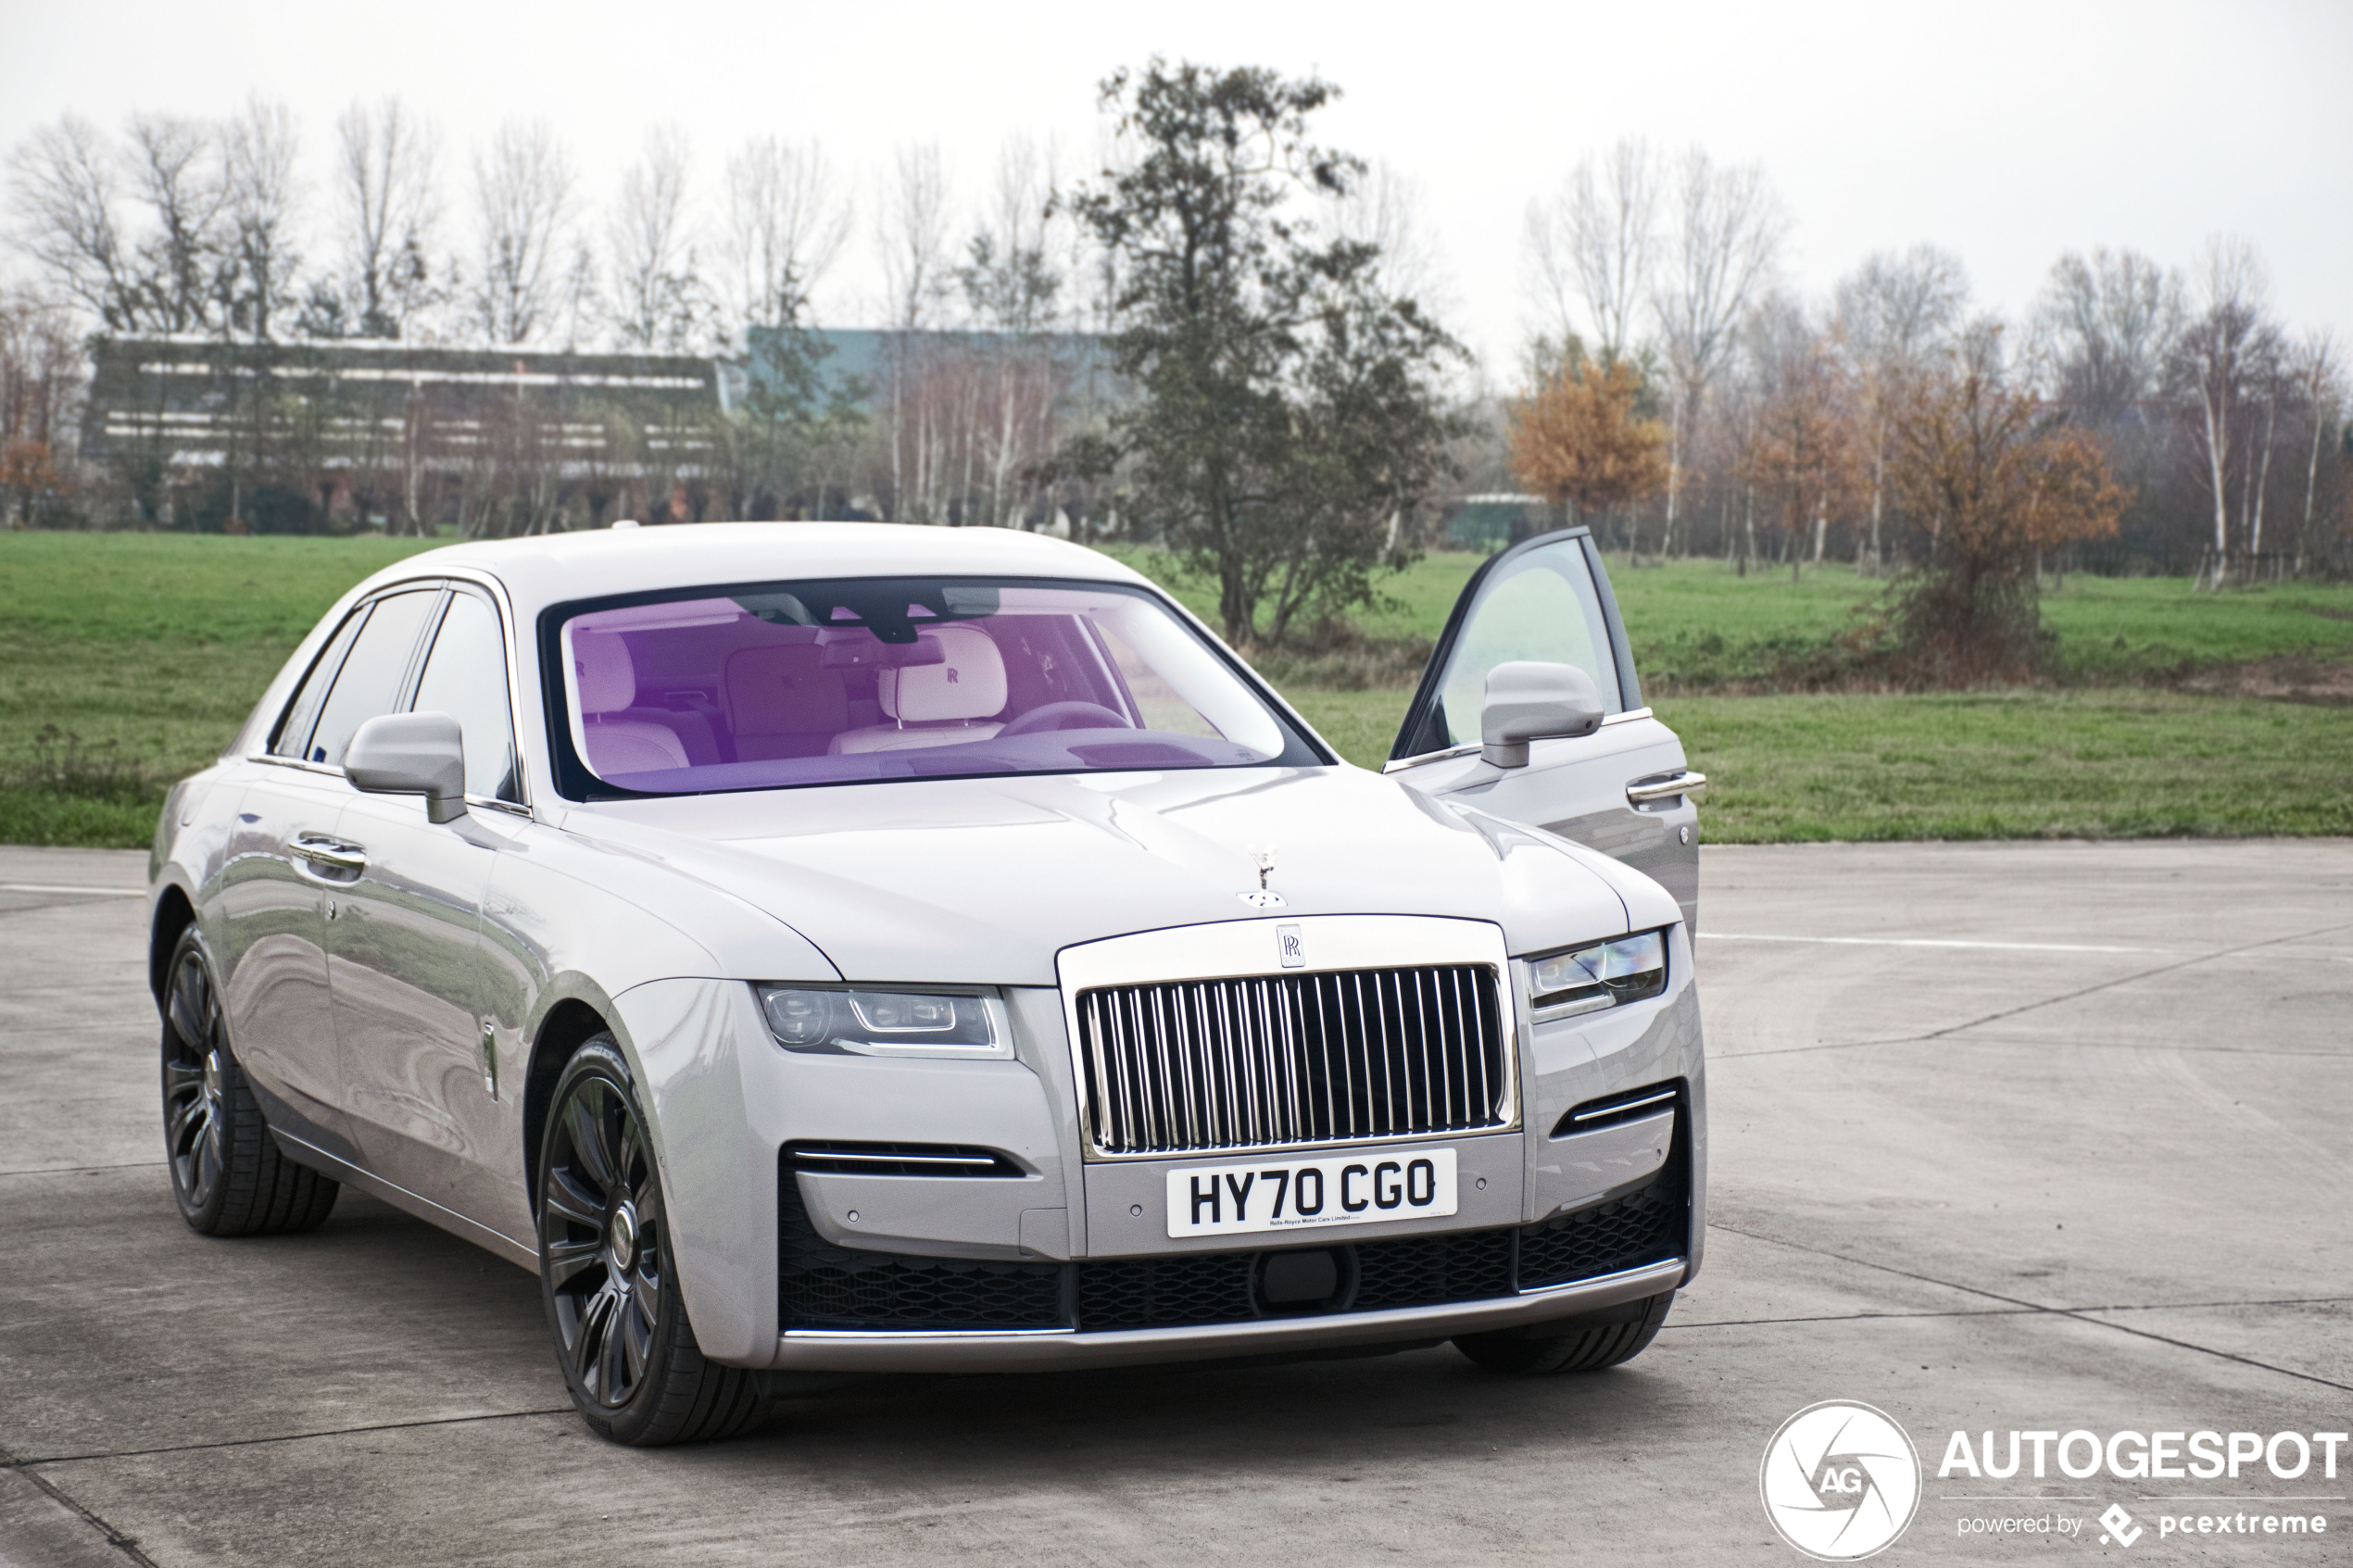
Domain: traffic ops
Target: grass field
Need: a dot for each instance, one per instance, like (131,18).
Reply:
(127,659)
(2103,762)
(1695,624)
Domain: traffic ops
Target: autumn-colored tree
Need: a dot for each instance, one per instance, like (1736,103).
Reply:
(1579,442)
(1806,457)
(1985,471)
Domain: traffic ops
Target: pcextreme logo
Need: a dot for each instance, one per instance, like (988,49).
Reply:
(1840,1481)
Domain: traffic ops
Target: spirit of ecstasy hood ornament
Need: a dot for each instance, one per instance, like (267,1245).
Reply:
(1263,856)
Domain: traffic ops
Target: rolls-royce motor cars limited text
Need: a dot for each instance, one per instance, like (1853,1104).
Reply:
(827,948)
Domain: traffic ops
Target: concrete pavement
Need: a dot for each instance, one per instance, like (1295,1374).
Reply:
(2005,1137)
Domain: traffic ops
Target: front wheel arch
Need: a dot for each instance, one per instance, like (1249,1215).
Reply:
(569,1024)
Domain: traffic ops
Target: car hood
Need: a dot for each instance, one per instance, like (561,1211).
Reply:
(983,881)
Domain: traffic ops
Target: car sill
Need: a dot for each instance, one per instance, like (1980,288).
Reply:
(424,1208)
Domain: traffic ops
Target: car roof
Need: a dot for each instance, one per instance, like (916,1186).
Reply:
(551,569)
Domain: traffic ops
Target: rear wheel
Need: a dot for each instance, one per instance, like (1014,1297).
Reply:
(608,1277)
(227,1174)
(1587,1343)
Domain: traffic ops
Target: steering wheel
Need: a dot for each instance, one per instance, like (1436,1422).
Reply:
(1066,716)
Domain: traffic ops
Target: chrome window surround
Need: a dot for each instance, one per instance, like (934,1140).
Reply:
(1252,949)
(444,580)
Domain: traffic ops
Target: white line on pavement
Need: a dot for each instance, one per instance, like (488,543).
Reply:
(60,887)
(1925,942)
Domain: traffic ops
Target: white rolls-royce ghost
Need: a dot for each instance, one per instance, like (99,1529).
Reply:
(840,949)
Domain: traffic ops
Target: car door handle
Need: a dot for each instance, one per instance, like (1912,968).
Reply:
(328,854)
(1647,790)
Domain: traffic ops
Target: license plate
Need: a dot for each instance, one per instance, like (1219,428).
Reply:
(1282,1195)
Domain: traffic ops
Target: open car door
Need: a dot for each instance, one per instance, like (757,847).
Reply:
(1623,789)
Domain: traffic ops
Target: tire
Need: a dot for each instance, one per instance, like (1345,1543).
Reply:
(228,1175)
(606,1273)
(1589,1343)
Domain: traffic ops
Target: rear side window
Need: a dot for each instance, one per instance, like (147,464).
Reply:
(293,738)
(466,678)
(369,683)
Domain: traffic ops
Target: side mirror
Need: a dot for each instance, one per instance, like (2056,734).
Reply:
(411,754)
(1528,701)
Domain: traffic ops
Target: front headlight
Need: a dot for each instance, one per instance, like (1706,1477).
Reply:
(943,1023)
(1603,975)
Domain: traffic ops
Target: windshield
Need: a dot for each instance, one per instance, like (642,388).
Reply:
(805,682)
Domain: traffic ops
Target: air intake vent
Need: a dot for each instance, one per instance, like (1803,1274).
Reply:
(1279,1060)
(1627,1106)
(900,1159)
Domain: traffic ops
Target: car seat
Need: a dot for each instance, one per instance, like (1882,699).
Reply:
(607,680)
(944,703)
(782,701)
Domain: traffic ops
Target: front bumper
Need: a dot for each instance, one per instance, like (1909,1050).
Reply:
(726,1101)
(1064,1349)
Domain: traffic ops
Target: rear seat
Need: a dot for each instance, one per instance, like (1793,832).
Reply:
(782,701)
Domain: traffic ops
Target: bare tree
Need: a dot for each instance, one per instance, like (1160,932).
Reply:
(264,199)
(1384,209)
(177,169)
(783,229)
(1011,290)
(2102,327)
(2318,372)
(1892,313)
(524,185)
(911,236)
(2220,358)
(1727,236)
(659,297)
(64,191)
(386,207)
(1596,240)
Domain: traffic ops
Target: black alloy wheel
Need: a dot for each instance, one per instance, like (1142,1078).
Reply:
(228,1175)
(606,1270)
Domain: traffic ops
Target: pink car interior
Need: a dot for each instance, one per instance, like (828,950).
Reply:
(713,693)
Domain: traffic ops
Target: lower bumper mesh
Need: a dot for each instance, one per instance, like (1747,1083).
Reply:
(823,1286)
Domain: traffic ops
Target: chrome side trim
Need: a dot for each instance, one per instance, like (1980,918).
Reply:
(1051,1350)
(426,1209)
(1469,748)
(1621,1107)
(956,1162)
(907,1335)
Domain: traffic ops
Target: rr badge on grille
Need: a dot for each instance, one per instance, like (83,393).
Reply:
(1293,950)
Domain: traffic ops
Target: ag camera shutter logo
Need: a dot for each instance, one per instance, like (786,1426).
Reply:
(1840,1481)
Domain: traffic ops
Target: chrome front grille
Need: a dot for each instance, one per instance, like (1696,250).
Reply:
(1272,1060)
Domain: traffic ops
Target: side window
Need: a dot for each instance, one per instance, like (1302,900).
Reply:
(466,678)
(1542,606)
(293,738)
(369,683)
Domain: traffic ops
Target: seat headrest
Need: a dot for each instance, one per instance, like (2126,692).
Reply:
(601,664)
(968,684)
(785,691)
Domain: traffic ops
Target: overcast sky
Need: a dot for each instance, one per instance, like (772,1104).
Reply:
(2007,132)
